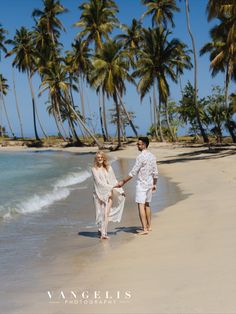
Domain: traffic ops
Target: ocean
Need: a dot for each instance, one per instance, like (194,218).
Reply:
(31,181)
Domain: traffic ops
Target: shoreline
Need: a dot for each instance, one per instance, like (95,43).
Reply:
(186,264)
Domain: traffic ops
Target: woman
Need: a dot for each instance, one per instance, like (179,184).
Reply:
(109,201)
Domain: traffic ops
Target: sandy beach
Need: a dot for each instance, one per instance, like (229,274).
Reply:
(185,265)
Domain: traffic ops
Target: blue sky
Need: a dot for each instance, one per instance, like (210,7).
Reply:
(17,13)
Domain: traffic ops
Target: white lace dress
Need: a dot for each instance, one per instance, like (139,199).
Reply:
(103,184)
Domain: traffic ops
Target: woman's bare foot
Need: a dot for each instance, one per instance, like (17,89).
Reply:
(149,229)
(104,237)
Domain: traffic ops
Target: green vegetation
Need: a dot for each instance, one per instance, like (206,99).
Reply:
(148,58)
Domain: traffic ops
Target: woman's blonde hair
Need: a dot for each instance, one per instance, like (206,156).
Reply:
(105,161)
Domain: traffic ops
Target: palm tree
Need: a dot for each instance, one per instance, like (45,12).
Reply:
(97,22)
(25,61)
(222,57)
(3,33)
(217,8)
(110,70)
(3,91)
(17,104)
(161,11)
(78,65)
(48,20)
(56,81)
(157,60)
(197,111)
(131,37)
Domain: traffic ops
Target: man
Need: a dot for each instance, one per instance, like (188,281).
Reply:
(146,169)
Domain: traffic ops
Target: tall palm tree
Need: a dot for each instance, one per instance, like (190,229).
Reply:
(3,33)
(157,60)
(78,65)
(110,70)
(96,22)
(3,92)
(25,61)
(162,11)
(197,110)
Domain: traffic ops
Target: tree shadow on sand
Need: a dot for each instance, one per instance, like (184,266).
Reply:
(203,154)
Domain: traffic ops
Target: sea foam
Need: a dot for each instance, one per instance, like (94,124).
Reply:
(60,190)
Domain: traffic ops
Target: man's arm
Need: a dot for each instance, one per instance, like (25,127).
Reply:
(125,180)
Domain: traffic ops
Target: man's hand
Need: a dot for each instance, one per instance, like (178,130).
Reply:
(119,184)
(154,188)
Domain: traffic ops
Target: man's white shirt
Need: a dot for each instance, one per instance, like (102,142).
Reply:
(146,169)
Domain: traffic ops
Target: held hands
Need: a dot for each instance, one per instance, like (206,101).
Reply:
(119,184)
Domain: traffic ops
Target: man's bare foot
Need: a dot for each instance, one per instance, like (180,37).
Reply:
(144,232)
(149,229)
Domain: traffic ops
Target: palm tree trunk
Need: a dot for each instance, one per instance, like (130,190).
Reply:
(57,124)
(151,111)
(127,114)
(104,115)
(101,117)
(17,105)
(159,118)
(155,112)
(81,92)
(90,113)
(168,122)
(229,125)
(73,104)
(86,128)
(118,119)
(33,104)
(6,114)
(203,133)
(40,123)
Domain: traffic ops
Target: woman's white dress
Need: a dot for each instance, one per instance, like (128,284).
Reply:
(103,184)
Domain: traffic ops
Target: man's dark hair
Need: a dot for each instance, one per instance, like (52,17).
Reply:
(144,139)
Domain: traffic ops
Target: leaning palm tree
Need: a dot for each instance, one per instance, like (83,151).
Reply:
(25,61)
(56,81)
(17,104)
(96,22)
(110,70)
(161,11)
(3,92)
